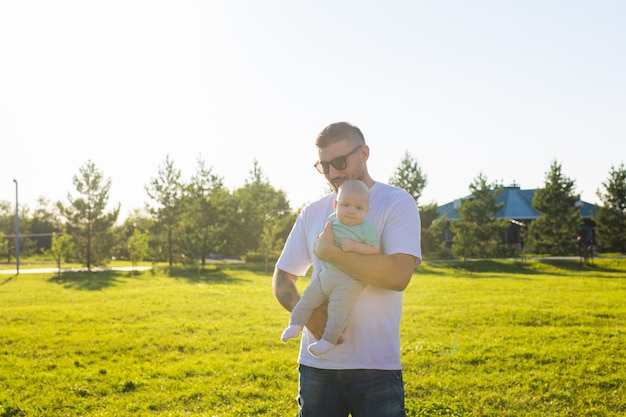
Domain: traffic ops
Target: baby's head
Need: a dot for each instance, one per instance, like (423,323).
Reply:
(352,203)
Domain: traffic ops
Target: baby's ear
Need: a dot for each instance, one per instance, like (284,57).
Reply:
(334,204)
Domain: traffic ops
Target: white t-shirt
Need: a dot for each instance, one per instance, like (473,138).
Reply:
(371,339)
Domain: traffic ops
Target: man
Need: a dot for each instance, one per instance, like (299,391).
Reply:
(362,375)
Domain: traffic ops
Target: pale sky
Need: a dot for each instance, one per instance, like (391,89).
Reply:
(498,87)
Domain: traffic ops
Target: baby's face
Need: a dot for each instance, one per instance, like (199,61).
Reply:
(351,208)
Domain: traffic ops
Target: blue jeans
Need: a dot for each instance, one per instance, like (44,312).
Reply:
(359,392)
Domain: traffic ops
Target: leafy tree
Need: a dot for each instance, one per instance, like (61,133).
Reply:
(165,191)
(28,244)
(464,239)
(611,218)
(138,246)
(4,245)
(409,176)
(7,225)
(61,248)
(555,230)
(432,230)
(273,238)
(137,219)
(44,223)
(86,219)
(201,215)
(479,233)
(259,204)
(7,228)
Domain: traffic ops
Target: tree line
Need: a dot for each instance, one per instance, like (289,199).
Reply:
(557,231)
(184,222)
(189,222)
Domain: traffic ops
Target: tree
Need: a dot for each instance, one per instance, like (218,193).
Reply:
(165,191)
(479,233)
(7,228)
(61,248)
(432,230)
(86,219)
(409,176)
(138,246)
(137,219)
(555,230)
(44,223)
(611,217)
(273,238)
(259,204)
(7,225)
(464,238)
(202,221)
(4,246)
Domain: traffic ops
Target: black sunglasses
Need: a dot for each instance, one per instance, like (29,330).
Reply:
(340,163)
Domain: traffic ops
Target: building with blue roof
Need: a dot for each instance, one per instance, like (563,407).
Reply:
(517,208)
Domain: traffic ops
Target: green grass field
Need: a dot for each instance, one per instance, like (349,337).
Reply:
(488,339)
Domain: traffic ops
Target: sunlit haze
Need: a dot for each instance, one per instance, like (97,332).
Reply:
(498,87)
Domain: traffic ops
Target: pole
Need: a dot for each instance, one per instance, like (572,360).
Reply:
(17,232)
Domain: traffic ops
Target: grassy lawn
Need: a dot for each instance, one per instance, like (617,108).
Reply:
(490,338)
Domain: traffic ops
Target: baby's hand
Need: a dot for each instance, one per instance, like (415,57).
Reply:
(347,245)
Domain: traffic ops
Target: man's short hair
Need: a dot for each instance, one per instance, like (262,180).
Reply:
(336,132)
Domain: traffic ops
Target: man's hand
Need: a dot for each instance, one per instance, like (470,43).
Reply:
(317,322)
(325,243)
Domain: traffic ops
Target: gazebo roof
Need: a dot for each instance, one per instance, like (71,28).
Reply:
(517,206)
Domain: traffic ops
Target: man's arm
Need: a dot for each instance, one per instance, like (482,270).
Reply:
(286,292)
(284,289)
(392,272)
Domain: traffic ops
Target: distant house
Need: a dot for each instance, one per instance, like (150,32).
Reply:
(518,209)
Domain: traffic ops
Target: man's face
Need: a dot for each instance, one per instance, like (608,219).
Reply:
(354,157)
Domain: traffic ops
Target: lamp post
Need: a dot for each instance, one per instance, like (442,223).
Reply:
(17,232)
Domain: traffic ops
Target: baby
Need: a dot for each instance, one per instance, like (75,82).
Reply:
(352,234)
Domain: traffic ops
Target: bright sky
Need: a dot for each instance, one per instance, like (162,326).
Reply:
(498,87)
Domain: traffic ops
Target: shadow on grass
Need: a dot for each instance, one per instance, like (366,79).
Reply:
(89,281)
(477,266)
(99,280)
(210,274)
(545,266)
(6,281)
(575,265)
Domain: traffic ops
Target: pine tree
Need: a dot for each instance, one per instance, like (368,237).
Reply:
(611,218)
(409,176)
(203,206)
(479,233)
(260,210)
(87,221)
(556,229)
(165,191)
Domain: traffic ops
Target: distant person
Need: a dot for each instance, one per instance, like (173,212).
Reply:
(340,290)
(362,374)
